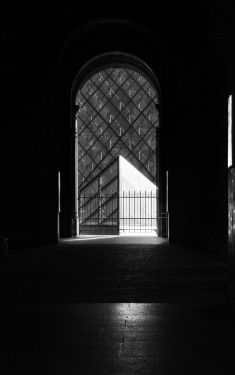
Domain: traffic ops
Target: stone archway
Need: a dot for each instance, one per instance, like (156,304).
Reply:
(135,45)
(117,136)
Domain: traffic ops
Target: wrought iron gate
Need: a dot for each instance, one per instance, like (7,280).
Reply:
(121,213)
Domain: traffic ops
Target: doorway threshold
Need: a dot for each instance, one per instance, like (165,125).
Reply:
(141,239)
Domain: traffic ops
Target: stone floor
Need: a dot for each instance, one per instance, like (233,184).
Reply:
(117,308)
(120,338)
(116,272)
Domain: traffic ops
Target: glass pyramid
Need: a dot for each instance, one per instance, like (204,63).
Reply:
(117,114)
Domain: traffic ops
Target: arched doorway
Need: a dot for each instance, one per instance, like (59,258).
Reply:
(116,158)
(138,51)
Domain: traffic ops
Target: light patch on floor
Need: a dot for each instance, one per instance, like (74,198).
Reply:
(123,239)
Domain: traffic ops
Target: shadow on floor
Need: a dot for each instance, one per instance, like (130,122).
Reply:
(119,272)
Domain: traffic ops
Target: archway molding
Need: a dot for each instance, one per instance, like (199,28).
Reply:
(97,44)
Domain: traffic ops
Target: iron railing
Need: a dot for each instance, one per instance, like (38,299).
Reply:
(129,212)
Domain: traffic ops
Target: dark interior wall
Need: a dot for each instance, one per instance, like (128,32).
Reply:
(43,49)
(232,92)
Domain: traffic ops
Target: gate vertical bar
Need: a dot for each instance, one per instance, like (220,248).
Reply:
(151,209)
(145,210)
(134,210)
(123,205)
(118,197)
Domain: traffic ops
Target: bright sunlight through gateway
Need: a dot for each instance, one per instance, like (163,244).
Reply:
(117,154)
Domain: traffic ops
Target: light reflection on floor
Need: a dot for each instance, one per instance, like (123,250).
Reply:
(130,309)
(112,239)
(119,338)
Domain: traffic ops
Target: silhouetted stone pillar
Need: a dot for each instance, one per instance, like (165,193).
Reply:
(231,171)
(218,141)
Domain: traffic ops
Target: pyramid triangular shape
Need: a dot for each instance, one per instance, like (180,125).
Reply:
(130,179)
(137,200)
